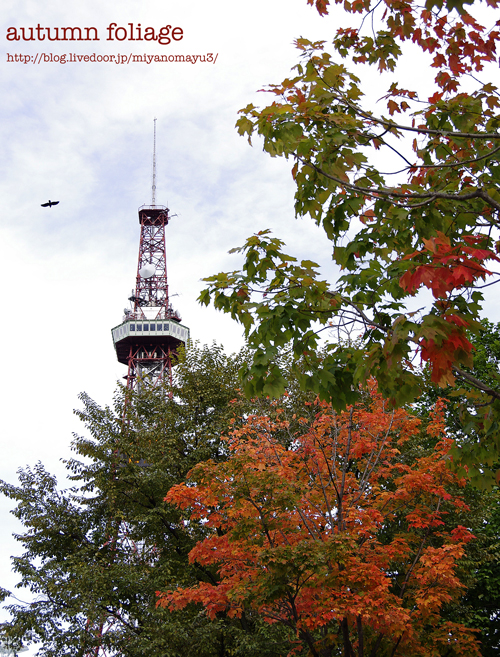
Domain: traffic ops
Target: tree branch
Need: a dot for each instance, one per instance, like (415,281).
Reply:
(442,166)
(476,382)
(390,125)
(384,191)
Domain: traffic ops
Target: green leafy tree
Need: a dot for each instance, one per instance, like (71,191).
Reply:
(8,651)
(480,571)
(95,555)
(426,220)
(480,568)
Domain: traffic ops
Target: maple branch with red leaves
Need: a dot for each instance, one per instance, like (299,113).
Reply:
(452,189)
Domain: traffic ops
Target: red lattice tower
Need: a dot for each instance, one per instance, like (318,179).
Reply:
(147,341)
(151,332)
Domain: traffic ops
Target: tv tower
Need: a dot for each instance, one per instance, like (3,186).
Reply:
(151,332)
(147,342)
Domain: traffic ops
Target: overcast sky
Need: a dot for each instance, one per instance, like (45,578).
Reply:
(81,133)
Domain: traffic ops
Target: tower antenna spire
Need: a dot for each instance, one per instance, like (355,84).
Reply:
(153,186)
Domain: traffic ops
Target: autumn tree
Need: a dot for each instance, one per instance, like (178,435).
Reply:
(339,536)
(408,197)
(94,555)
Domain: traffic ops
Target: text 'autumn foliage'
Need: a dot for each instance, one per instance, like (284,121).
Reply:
(347,534)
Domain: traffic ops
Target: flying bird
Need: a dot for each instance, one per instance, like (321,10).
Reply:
(49,204)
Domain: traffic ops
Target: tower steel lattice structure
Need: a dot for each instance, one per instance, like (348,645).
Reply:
(147,342)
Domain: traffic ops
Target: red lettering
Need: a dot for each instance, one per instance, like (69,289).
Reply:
(177,31)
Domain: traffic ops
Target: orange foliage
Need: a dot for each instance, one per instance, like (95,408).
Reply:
(337,531)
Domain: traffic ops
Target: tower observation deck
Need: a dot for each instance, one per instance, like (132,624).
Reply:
(151,332)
